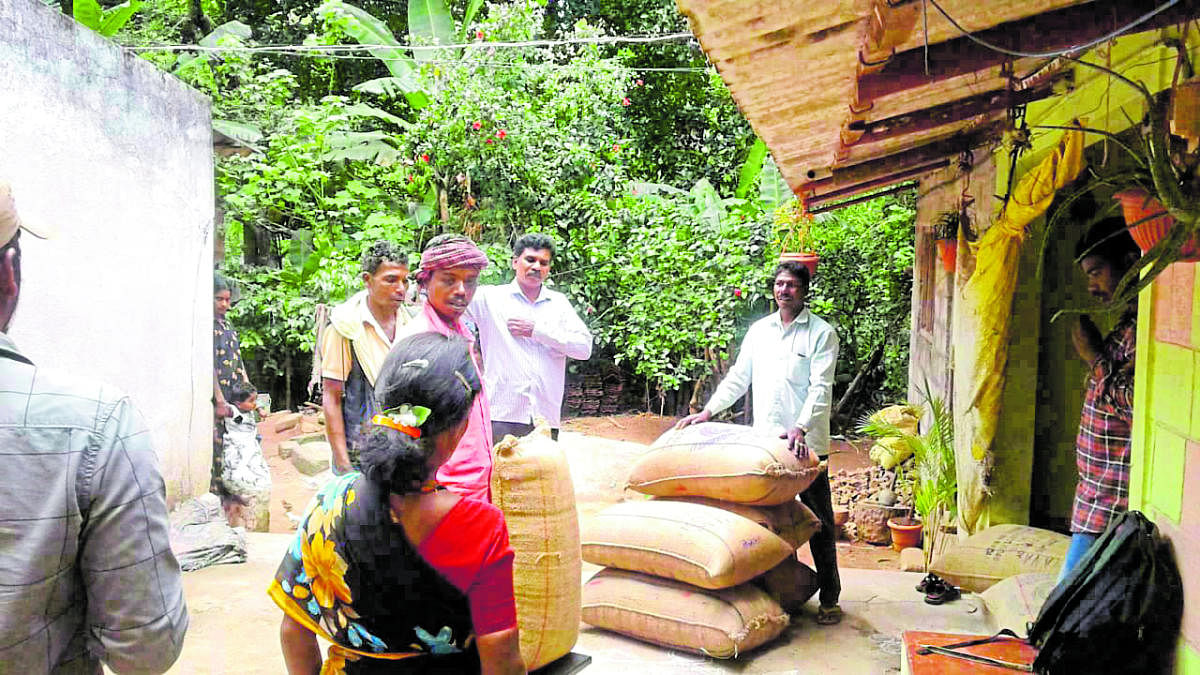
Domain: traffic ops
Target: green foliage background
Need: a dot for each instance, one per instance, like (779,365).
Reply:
(651,180)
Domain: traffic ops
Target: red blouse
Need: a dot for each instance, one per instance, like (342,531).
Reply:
(470,548)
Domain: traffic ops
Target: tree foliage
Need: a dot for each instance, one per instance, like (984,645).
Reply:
(662,199)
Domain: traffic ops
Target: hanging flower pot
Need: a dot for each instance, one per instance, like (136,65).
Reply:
(1152,222)
(948,251)
(809,260)
(906,532)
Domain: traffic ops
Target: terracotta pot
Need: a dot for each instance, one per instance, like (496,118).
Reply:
(1139,206)
(904,536)
(840,516)
(948,251)
(809,260)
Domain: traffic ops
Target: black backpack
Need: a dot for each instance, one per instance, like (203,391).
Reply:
(1118,611)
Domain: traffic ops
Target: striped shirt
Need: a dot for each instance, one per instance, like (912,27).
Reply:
(525,375)
(1102,446)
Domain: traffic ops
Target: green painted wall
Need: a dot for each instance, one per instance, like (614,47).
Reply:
(1167,401)
(1035,458)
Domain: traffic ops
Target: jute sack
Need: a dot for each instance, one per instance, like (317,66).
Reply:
(729,462)
(1000,552)
(794,522)
(696,544)
(790,583)
(721,624)
(1014,603)
(532,486)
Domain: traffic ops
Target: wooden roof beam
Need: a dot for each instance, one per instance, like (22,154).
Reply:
(1058,29)
(952,112)
(886,168)
(875,183)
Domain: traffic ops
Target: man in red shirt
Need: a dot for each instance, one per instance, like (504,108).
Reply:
(1105,254)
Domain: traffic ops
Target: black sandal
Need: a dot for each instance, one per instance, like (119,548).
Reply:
(941,592)
(928,582)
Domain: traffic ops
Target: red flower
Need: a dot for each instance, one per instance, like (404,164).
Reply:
(478,35)
(410,178)
(488,141)
(640,83)
(616,147)
(737,292)
(590,309)
(625,101)
(501,134)
(477,126)
(424,158)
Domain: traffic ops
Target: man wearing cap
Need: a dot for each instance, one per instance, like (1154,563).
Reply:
(449,275)
(361,332)
(1102,446)
(87,573)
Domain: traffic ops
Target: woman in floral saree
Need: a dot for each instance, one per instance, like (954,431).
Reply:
(398,574)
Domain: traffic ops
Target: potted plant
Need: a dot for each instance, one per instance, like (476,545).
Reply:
(1160,194)
(945,235)
(932,473)
(792,223)
(1149,222)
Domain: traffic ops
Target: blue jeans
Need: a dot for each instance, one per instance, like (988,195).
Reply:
(1080,543)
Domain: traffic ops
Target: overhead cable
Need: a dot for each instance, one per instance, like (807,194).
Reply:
(600,40)
(1058,52)
(496,65)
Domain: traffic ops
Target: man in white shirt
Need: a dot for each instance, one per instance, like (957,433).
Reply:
(789,358)
(527,332)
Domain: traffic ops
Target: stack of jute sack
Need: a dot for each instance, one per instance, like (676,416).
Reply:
(532,485)
(695,567)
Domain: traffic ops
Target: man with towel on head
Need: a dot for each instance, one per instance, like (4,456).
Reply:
(449,275)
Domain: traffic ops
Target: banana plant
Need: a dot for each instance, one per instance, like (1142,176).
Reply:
(104,21)
(368,30)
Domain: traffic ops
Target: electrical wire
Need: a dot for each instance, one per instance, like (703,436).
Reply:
(498,65)
(1059,52)
(601,40)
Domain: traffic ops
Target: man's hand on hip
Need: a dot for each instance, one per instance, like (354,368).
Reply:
(702,416)
(520,327)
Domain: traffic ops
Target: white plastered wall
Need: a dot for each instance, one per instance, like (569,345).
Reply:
(118,157)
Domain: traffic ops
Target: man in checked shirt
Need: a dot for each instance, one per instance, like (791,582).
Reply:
(1105,253)
(86,570)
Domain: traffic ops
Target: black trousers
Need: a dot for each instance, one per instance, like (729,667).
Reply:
(823,544)
(501,429)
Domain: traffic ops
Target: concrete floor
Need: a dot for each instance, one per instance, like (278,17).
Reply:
(235,626)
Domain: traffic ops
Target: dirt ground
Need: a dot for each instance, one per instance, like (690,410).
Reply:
(291,488)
